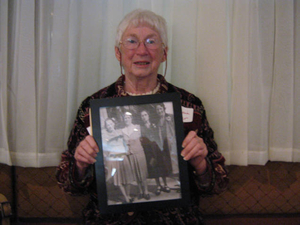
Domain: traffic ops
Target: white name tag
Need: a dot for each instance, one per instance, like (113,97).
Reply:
(187,114)
(89,129)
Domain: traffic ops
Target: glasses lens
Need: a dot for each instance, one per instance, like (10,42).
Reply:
(132,43)
(152,43)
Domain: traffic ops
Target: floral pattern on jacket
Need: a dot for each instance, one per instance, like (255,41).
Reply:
(214,180)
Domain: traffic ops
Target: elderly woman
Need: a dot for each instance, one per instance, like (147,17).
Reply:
(141,46)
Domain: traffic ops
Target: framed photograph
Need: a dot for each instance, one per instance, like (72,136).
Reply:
(139,166)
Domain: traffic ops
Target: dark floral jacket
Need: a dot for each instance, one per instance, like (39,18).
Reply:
(214,180)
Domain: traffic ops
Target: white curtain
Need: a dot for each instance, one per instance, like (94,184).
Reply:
(242,58)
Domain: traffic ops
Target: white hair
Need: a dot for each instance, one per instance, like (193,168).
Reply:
(143,17)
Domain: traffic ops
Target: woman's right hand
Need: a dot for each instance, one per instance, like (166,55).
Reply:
(85,154)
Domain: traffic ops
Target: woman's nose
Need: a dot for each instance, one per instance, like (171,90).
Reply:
(142,49)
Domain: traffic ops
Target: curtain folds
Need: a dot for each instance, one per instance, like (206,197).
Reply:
(242,58)
(4,149)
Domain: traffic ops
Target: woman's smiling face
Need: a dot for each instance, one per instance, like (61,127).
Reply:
(110,125)
(160,111)
(140,62)
(144,116)
(127,120)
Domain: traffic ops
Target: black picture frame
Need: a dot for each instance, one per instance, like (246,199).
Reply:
(120,163)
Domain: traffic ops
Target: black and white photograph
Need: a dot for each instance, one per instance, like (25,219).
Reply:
(139,160)
(140,153)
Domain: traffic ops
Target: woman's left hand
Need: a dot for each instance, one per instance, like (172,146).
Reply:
(195,151)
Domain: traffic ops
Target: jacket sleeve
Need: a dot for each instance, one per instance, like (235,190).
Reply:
(215,179)
(66,173)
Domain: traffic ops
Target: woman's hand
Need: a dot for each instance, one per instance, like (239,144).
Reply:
(195,151)
(85,154)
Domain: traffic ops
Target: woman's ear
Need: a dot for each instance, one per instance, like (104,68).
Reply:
(118,53)
(165,54)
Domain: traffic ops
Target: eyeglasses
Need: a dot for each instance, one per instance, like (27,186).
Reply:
(133,43)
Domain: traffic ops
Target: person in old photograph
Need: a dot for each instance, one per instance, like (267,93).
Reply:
(141,46)
(118,113)
(132,134)
(158,163)
(166,132)
(116,160)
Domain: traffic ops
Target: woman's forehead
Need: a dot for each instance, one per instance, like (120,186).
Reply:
(141,30)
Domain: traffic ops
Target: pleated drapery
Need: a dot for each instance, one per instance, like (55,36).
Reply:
(240,57)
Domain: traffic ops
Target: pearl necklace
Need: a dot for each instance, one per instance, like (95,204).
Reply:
(155,90)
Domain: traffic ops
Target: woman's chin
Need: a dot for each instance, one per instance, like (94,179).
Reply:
(143,74)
